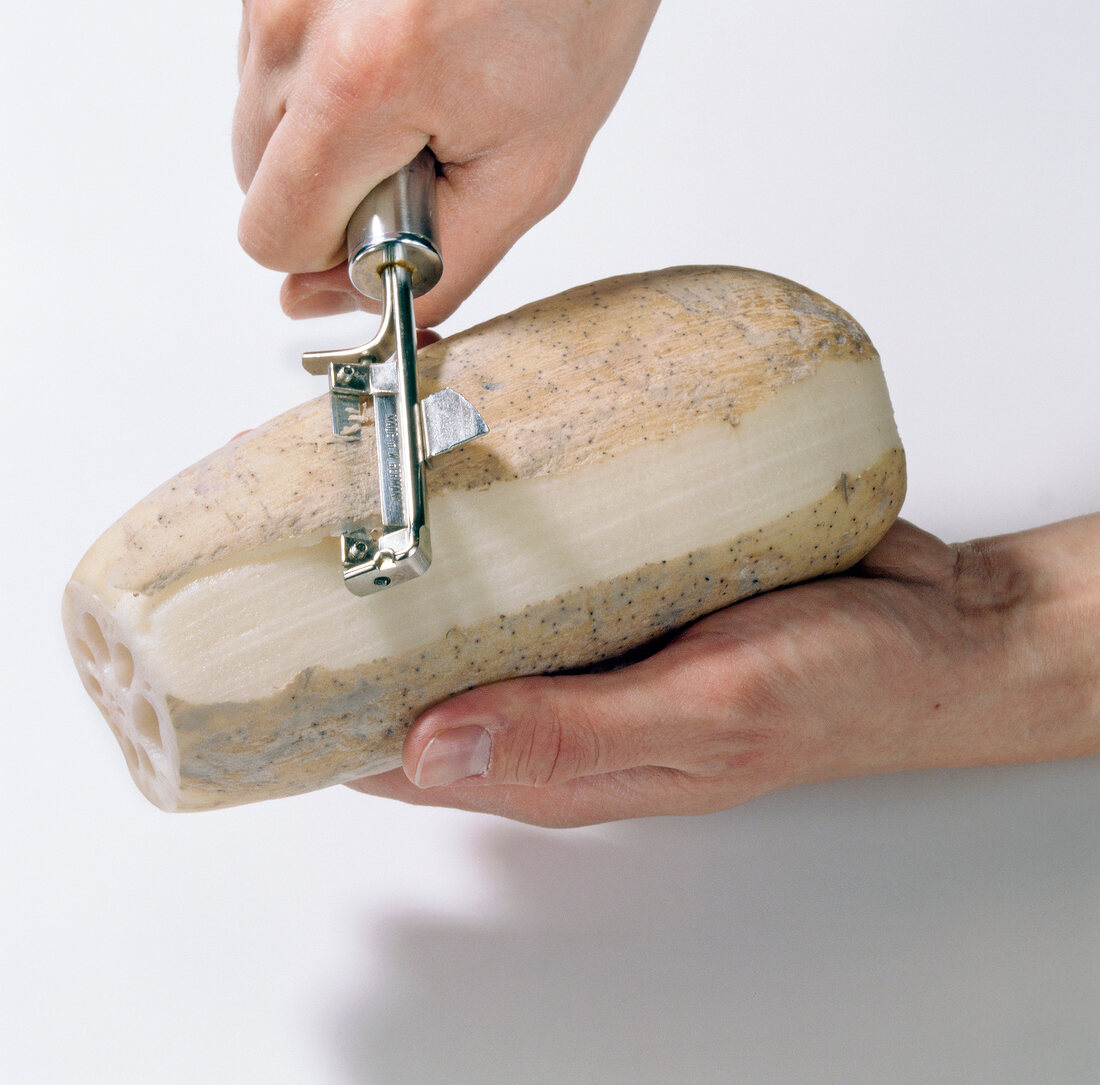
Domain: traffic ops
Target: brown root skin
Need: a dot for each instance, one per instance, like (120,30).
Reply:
(559,381)
(581,527)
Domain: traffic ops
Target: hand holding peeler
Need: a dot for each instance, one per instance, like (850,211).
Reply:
(393,257)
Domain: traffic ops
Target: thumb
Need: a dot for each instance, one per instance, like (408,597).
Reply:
(535,732)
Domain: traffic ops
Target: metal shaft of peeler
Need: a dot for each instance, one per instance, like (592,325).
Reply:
(401,479)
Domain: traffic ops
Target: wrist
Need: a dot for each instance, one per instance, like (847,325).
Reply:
(1035,598)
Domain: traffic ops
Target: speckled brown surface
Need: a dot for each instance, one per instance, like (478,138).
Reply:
(564,384)
(560,382)
(327,727)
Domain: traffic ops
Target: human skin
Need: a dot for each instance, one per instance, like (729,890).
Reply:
(337,96)
(924,655)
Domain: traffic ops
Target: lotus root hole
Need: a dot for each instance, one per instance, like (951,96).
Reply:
(93,635)
(129,751)
(122,663)
(144,763)
(91,684)
(146,722)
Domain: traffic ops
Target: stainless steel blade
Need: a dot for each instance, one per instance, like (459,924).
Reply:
(449,420)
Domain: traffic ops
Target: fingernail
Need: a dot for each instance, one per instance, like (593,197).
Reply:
(321,303)
(453,755)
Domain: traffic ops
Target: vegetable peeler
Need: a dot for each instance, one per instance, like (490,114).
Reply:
(393,257)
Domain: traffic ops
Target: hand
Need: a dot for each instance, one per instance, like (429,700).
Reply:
(923,655)
(335,96)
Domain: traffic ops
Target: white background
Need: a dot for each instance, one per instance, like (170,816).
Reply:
(933,167)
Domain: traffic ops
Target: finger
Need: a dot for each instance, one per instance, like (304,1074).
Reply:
(544,732)
(275,31)
(590,800)
(910,554)
(244,39)
(260,107)
(483,208)
(321,160)
(273,35)
(326,293)
(323,293)
(674,734)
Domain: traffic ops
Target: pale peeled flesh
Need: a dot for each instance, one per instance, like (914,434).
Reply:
(660,446)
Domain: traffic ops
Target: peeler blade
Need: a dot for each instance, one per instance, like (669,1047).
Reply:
(449,420)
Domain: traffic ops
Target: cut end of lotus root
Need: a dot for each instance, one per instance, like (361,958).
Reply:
(136,715)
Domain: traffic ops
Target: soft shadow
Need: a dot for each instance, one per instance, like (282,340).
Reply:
(928,926)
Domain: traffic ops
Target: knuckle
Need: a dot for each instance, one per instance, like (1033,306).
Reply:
(554,744)
(556,182)
(276,29)
(283,241)
(258,240)
(983,584)
(356,76)
(730,699)
(546,181)
(247,147)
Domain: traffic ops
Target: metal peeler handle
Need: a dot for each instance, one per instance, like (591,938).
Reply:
(400,211)
(393,257)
